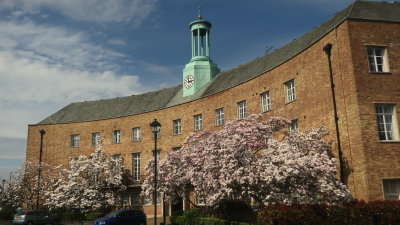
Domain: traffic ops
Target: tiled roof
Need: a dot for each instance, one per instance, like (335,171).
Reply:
(136,104)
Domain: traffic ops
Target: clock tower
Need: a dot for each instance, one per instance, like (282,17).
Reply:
(201,69)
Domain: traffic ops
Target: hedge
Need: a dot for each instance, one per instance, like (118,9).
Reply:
(355,213)
(7,214)
(181,220)
(93,216)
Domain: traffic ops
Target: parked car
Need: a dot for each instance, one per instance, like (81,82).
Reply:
(31,217)
(123,217)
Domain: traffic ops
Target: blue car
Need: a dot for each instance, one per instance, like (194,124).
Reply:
(122,217)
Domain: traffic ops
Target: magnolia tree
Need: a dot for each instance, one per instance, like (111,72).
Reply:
(251,158)
(90,182)
(25,186)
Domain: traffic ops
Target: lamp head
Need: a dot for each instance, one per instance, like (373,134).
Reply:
(155,126)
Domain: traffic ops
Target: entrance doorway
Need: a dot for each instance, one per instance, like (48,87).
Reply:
(177,206)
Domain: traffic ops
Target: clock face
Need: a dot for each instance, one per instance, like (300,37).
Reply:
(188,82)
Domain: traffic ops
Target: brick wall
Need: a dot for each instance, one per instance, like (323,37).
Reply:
(356,91)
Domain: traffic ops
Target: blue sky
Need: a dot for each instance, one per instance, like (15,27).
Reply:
(54,52)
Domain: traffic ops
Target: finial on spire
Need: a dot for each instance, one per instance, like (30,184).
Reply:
(200,16)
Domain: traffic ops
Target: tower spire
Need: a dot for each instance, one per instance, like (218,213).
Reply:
(201,69)
(200,16)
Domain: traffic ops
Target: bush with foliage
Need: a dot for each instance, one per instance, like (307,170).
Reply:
(236,210)
(93,216)
(355,213)
(181,220)
(7,214)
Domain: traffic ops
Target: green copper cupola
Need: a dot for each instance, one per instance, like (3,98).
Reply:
(201,69)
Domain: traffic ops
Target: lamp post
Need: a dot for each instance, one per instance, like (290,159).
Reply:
(42,132)
(155,128)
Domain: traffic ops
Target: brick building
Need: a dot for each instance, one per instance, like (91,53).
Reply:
(343,74)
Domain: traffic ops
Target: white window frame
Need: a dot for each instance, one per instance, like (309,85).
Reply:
(198,122)
(136,134)
(75,139)
(116,137)
(116,160)
(146,200)
(125,199)
(386,120)
(95,138)
(391,188)
(219,117)
(177,127)
(136,199)
(290,91)
(241,109)
(200,199)
(293,125)
(377,59)
(265,101)
(136,166)
(158,152)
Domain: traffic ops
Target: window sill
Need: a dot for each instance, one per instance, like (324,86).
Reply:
(269,110)
(380,73)
(290,102)
(390,141)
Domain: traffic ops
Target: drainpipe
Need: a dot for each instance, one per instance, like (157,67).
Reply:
(327,50)
(42,132)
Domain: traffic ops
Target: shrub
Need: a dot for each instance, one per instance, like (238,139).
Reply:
(234,210)
(355,213)
(179,220)
(7,214)
(93,216)
(72,216)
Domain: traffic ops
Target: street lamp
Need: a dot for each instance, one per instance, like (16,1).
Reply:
(155,128)
(42,132)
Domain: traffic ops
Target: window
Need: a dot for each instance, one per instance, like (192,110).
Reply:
(136,166)
(146,201)
(136,199)
(265,102)
(75,140)
(242,110)
(177,127)
(290,91)
(95,138)
(391,189)
(116,160)
(72,161)
(176,148)
(158,153)
(158,202)
(116,137)
(377,59)
(387,122)
(219,117)
(136,134)
(125,199)
(200,200)
(293,125)
(198,122)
